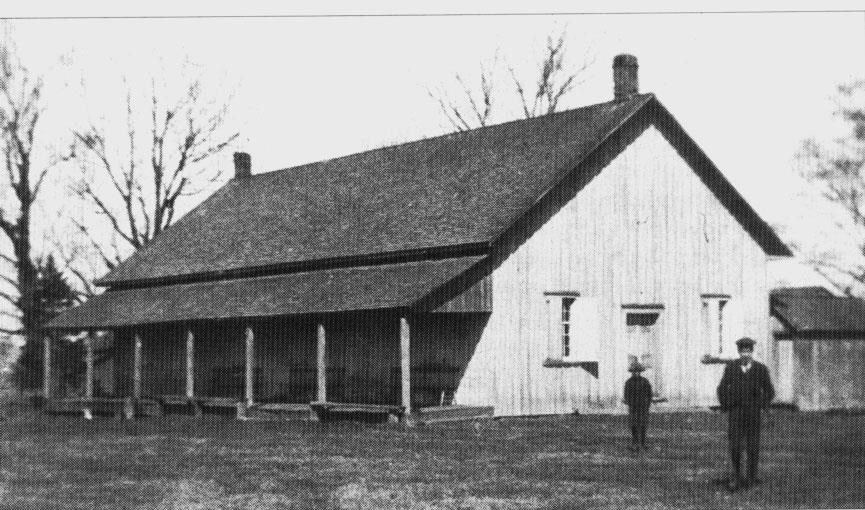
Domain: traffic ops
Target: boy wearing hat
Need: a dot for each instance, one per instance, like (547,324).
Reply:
(744,391)
(638,398)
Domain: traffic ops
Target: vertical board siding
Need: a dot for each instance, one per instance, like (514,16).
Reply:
(362,354)
(285,355)
(785,372)
(477,298)
(219,359)
(645,230)
(163,363)
(828,373)
(363,358)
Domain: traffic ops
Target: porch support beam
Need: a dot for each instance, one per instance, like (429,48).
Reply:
(815,374)
(321,365)
(46,367)
(136,367)
(88,375)
(250,367)
(405,364)
(88,357)
(190,367)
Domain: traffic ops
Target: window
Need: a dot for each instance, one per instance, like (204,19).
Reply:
(567,303)
(641,318)
(573,326)
(722,323)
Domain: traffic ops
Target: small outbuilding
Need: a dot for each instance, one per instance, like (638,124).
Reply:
(820,348)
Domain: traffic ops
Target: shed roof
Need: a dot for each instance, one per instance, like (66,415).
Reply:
(337,289)
(809,291)
(455,190)
(819,314)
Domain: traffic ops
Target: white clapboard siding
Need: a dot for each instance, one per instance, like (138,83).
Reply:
(734,327)
(646,230)
(585,336)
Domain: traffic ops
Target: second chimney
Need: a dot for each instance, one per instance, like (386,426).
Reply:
(625,82)
(242,165)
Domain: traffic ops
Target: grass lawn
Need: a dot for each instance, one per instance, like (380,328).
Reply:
(809,460)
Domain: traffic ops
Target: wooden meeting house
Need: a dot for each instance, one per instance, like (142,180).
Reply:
(513,269)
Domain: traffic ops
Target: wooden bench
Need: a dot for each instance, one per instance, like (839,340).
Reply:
(88,407)
(446,413)
(432,383)
(103,406)
(324,410)
(197,405)
(192,405)
(279,411)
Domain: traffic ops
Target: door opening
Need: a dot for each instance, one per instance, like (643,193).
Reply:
(644,345)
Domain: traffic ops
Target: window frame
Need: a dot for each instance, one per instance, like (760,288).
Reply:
(565,326)
(713,318)
(564,332)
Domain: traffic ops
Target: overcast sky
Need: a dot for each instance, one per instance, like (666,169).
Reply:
(747,87)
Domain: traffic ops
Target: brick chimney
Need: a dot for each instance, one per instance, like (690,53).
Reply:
(242,165)
(625,82)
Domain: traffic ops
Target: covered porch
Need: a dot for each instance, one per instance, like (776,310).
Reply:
(398,361)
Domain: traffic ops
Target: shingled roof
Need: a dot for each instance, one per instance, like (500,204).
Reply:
(813,314)
(338,289)
(809,291)
(462,189)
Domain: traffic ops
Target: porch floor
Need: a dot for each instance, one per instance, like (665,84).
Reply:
(323,411)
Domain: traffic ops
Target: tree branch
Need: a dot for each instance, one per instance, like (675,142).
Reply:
(86,191)
(8,297)
(109,262)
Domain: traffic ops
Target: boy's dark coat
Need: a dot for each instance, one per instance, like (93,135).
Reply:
(638,394)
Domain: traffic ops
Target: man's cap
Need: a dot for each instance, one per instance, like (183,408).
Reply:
(745,342)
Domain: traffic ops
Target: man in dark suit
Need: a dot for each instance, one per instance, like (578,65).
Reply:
(744,391)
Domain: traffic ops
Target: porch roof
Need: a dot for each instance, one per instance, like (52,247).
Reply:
(330,290)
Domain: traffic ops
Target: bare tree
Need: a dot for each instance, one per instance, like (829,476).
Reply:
(20,110)
(554,81)
(555,78)
(478,105)
(151,167)
(77,263)
(837,170)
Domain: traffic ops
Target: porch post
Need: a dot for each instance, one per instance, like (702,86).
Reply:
(136,367)
(190,367)
(250,363)
(405,363)
(88,376)
(46,367)
(321,366)
(815,375)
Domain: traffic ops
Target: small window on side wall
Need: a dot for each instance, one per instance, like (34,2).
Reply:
(573,326)
(567,304)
